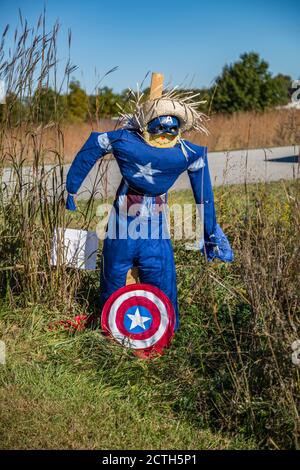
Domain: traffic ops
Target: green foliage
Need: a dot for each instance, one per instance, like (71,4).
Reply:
(282,89)
(104,104)
(12,111)
(248,85)
(47,105)
(77,103)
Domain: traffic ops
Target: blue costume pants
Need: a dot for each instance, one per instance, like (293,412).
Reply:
(154,259)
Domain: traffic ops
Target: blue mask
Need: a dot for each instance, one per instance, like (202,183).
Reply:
(164,125)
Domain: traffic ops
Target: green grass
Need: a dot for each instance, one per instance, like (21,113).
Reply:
(226,382)
(64,391)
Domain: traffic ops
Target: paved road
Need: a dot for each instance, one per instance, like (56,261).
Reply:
(232,167)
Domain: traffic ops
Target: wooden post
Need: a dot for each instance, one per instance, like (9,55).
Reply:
(157,84)
(132,276)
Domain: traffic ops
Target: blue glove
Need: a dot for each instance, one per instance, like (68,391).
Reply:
(70,203)
(218,247)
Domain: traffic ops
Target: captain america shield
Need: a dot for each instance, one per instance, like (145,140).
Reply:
(140,317)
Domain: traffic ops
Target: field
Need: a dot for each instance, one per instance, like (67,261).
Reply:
(227,382)
(272,128)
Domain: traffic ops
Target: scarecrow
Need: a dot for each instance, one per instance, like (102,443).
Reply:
(151,155)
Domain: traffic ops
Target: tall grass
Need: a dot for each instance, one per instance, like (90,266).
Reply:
(249,316)
(229,369)
(32,196)
(272,128)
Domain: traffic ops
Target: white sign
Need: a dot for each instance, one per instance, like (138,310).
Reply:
(74,248)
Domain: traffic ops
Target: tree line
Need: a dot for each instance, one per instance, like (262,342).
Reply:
(246,85)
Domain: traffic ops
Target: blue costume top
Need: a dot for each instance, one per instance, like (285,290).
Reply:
(152,171)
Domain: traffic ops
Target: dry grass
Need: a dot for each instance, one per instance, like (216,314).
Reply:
(273,128)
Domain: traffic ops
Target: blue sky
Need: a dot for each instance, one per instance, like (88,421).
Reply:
(186,38)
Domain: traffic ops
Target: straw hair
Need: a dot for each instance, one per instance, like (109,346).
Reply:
(181,104)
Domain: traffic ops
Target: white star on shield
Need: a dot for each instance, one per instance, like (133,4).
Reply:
(146,171)
(138,320)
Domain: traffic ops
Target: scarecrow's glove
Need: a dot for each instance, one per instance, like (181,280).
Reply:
(217,246)
(70,203)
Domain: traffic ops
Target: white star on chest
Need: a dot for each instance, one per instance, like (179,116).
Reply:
(138,320)
(146,171)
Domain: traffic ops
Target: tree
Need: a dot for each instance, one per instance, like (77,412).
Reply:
(12,111)
(104,104)
(77,103)
(248,85)
(282,89)
(47,105)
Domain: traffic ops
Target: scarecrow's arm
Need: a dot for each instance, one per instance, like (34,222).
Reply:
(95,147)
(215,243)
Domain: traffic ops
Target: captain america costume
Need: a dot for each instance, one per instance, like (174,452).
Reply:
(147,174)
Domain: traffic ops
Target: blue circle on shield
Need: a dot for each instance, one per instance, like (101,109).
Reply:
(137,319)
